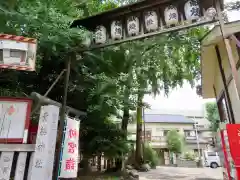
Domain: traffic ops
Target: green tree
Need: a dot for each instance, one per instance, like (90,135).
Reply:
(163,63)
(233,5)
(101,82)
(175,141)
(150,155)
(213,115)
(49,22)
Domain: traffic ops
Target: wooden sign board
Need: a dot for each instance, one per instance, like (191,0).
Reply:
(14,119)
(17,52)
(42,161)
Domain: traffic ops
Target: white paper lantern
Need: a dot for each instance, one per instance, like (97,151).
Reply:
(171,15)
(211,13)
(192,10)
(151,21)
(116,30)
(100,35)
(87,40)
(133,26)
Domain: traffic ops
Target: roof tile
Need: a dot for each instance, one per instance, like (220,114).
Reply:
(167,118)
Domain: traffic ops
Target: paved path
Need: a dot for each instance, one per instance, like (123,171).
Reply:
(177,173)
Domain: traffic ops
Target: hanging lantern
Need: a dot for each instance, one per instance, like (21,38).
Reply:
(133,26)
(116,30)
(211,13)
(100,35)
(151,21)
(192,10)
(87,40)
(171,15)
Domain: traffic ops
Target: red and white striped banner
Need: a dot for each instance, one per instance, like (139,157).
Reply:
(20,68)
(18,38)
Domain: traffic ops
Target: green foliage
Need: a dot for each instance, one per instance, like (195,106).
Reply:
(150,155)
(189,155)
(235,5)
(213,116)
(175,141)
(103,136)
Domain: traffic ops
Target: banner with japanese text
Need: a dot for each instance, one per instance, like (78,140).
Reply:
(69,162)
(42,163)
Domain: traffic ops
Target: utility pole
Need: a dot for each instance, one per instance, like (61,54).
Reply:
(196,131)
(62,119)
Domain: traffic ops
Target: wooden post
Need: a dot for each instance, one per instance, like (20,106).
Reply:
(229,49)
(62,119)
(233,66)
(228,100)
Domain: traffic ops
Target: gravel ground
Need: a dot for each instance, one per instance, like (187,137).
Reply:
(177,173)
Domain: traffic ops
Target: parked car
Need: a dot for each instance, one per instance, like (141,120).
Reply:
(212,159)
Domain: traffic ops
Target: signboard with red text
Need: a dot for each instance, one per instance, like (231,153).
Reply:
(69,162)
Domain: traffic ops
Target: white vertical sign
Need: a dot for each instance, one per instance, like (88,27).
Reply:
(45,143)
(69,165)
(21,163)
(6,161)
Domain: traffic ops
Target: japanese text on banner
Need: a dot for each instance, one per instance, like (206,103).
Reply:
(70,150)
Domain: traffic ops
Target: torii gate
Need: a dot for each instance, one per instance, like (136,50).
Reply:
(148,18)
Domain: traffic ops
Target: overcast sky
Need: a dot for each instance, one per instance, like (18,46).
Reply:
(185,97)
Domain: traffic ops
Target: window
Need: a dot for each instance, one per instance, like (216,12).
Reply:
(148,135)
(238,48)
(16,53)
(223,110)
(190,133)
(165,132)
(1,55)
(200,126)
(211,154)
(160,132)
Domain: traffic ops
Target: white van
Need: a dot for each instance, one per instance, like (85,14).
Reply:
(212,159)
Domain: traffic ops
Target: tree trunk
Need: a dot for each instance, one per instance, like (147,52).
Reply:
(85,162)
(138,154)
(105,163)
(125,120)
(125,110)
(99,167)
(108,164)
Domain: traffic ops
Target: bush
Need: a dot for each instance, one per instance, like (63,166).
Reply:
(150,156)
(190,155)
